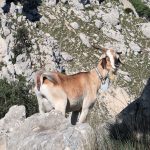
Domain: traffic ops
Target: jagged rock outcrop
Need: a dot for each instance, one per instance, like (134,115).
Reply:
(48,131)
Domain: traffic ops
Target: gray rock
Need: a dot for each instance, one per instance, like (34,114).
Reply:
(147,2)
(94,2)
(50,2)
(112,17)
(12,8)
(6,31)
(84,39)
(51,131)
(134,47)
(66,56)
(116,35)
(19,9)
(13,118)
(19,19)
(98,23)
(146,29)
(44,20)
(11,69)
(74,25)
(3,48)
(127,78)
(76,4)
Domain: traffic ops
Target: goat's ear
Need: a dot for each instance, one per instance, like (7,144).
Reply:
(104,62)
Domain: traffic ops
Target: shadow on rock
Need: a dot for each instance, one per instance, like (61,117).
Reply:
(30,8)
(134,121)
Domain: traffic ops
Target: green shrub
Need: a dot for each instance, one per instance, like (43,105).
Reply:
(141,8)
(22,43)
(16,93)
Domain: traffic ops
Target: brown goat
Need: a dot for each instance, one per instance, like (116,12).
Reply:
(77,92)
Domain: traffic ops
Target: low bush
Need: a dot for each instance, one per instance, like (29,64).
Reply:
(22,43)
(142,9)
(16,93)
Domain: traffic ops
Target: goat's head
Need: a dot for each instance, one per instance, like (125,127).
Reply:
(110,60)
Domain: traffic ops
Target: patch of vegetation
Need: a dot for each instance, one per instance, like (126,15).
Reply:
(141,8)
(22,43)
(110,144)
(16,93)
(138,68)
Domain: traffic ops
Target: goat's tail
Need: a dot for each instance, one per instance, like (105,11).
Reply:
(40,77)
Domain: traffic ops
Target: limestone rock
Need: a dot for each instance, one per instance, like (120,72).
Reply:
(146,29)
(98,23)
(50,131)
(76,4)
(134,47)
(112,17)
(13,118)
(115,99)
(6,31)
(116,35)
(12,8)
(3,48)
(74,25)
(85,39)
(66,56)
(51,2)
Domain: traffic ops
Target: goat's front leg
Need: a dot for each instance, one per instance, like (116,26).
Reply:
(85,109)
(87,104)
(83,115)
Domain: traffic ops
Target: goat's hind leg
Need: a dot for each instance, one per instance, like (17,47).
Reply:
(61,106)
(40,101)
(85,109)
(74,117)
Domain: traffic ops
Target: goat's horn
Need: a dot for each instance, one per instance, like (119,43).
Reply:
(99,48)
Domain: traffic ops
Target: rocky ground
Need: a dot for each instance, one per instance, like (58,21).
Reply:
(59,36)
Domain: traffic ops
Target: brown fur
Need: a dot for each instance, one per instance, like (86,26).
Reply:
(73,92)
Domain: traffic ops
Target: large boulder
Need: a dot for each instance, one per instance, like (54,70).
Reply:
(49,131)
